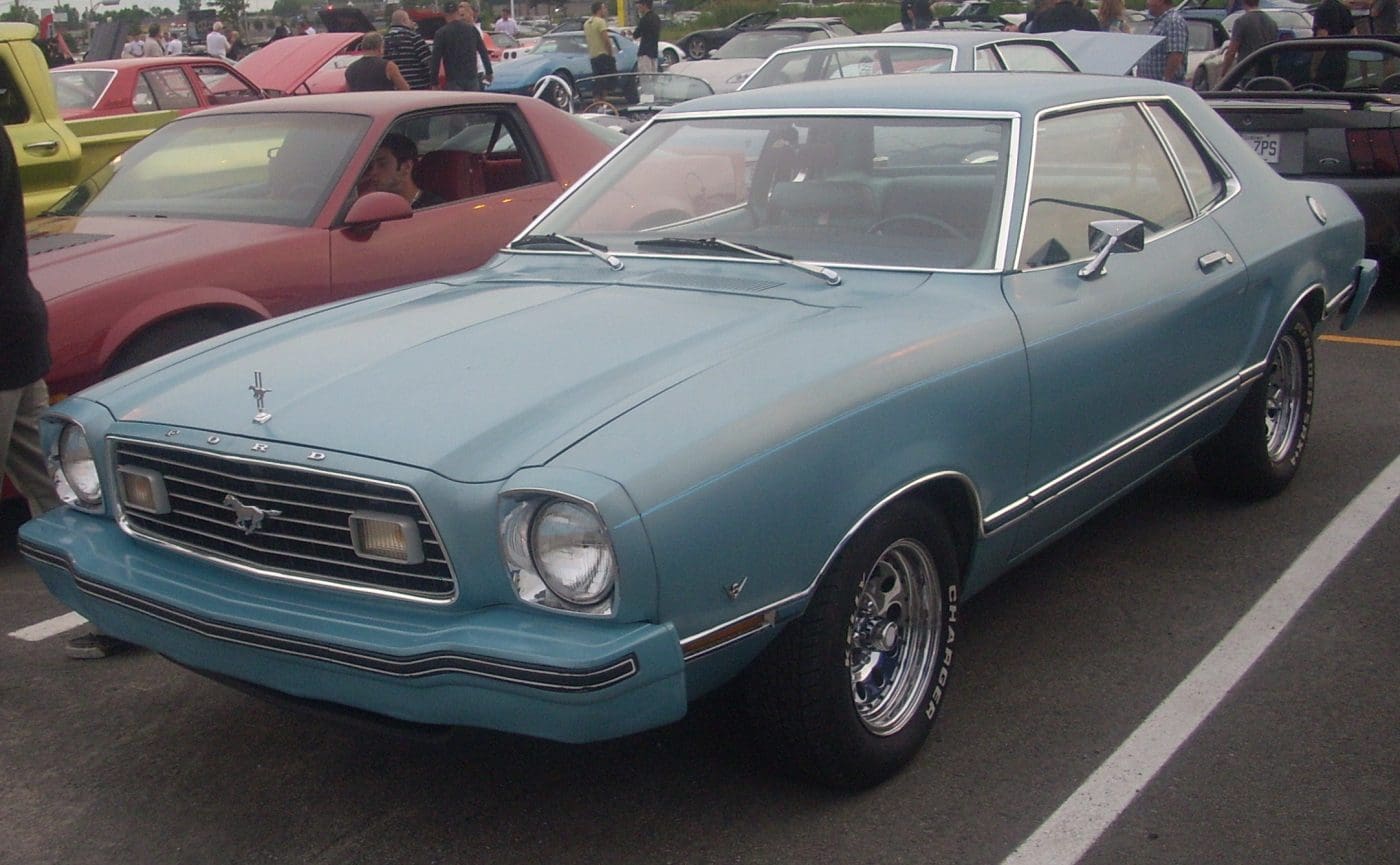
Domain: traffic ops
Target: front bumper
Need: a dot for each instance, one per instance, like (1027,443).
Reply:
(502,668)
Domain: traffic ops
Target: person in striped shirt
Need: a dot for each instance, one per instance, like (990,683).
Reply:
(404,47)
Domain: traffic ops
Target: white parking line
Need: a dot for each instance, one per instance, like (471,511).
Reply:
(46,629)
(1077,824)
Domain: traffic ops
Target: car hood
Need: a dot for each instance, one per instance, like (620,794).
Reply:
(716,73)
(447,376)
(284,65)
(1104,53)
(68,254)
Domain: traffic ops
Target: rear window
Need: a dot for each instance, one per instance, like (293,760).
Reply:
(80,88)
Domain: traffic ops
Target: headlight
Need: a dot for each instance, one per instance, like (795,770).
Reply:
(74,471)
(570,546)
(559,554)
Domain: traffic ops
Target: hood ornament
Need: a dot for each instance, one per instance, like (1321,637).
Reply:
(263,416)
(249,518)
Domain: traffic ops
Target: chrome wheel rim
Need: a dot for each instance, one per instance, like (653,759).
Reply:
(1283,398)
(893,635)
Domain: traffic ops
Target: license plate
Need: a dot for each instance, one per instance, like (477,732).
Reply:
(1266,144)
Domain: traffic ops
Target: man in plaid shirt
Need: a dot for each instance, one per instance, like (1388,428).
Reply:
(1167,59)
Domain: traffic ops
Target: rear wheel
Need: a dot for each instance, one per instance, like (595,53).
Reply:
(695,48)
(846,695)
(1259,450)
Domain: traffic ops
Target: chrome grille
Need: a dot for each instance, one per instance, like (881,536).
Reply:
(309,539)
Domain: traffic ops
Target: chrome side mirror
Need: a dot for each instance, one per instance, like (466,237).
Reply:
(1108,236)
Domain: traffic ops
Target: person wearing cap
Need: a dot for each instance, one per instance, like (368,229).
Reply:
(456,48)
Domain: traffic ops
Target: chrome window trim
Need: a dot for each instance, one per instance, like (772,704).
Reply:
(1070,65)
(999,260)
(119,514)
(108,86)
(1173,159)
(1231,182)
(1232,186)
(818,45)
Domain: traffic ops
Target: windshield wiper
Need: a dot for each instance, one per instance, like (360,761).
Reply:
(713,243)
(597,250)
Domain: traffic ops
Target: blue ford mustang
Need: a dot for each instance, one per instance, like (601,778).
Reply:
(564,55)
(769,395)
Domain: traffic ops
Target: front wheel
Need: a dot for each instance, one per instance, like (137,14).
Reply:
(846,695)
(695,48)
(1258,451)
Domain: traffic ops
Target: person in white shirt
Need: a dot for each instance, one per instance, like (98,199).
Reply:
(174,46)
(506,24)
(216,44)
(134,46)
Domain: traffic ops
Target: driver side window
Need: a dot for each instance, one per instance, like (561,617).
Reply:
(1104,163)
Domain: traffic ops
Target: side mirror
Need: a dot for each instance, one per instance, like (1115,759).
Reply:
(1108,236)
(373,208)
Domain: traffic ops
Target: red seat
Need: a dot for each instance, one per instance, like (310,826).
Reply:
(502,174)
(452,174)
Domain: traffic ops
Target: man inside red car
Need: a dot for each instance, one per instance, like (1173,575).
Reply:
(391,170)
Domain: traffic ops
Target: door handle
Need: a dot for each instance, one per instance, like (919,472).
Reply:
(1211,260)
(45,147)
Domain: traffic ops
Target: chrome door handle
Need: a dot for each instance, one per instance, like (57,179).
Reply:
(42,146)
(1211,260)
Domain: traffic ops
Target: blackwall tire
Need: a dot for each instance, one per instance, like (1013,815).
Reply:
(847,694)
(695,48)
(1259,450)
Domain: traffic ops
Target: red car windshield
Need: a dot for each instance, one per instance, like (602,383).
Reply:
(273,168)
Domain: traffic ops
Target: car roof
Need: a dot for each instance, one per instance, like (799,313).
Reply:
(372,103)
(1020,92)
(120,63)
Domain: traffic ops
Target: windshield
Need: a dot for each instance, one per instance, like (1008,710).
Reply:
(560,43)
(853,62)
(758,44)
(80,88)
(272,168)
(1316,67)
(898,191)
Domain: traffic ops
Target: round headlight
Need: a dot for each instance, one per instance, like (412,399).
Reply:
(77,472)
(571,549)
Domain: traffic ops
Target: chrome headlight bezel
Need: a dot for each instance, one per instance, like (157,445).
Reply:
(536,568)
(73,468)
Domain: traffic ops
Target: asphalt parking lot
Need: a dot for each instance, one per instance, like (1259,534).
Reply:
(132,759)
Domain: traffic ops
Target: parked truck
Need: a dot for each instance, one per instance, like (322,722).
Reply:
(55,156)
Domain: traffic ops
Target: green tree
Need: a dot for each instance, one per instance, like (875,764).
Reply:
(188,6)
(288,9)
(231,11)
(20,13)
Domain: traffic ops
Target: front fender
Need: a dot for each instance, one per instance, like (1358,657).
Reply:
(169,304)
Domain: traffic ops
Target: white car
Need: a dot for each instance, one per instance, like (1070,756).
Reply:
(1292,24)
(730,65)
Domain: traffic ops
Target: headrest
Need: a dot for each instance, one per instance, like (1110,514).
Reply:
(446,173)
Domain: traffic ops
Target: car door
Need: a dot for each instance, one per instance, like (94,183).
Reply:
(217,84)
(483,162)
(1124,365)
(46,150)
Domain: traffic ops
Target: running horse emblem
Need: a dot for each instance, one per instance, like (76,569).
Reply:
(249,518)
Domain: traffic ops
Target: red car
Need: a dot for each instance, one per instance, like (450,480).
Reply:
(184,83)
(237,214)
(303,64)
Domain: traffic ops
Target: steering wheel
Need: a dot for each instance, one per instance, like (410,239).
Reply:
(602,107)
(917,220)
(1312,86)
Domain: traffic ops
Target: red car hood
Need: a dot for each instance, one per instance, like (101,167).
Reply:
(67,254)
(284,65)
